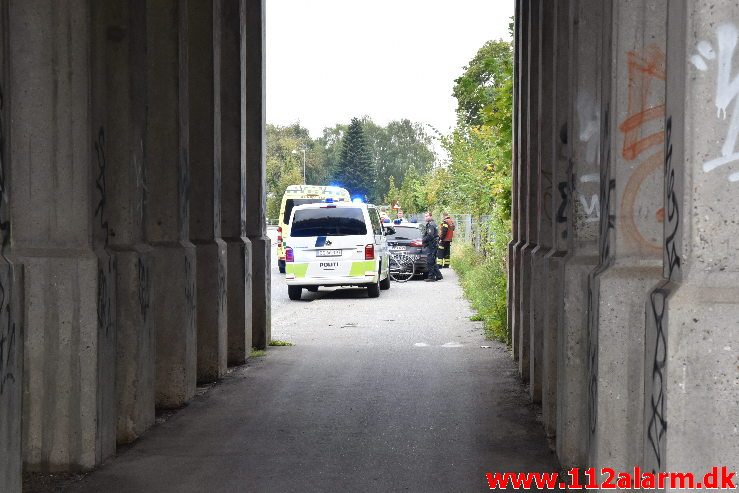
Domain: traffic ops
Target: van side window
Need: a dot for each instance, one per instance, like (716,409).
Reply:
(375,220)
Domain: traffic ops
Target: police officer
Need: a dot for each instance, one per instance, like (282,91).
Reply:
(446,234)
(431,243)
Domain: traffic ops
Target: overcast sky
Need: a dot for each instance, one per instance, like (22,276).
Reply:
(330,60)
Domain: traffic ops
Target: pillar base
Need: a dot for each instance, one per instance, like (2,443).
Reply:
(572,366)
(514,298)
(619,405)
(239,282)
(538,307)
(261,291)
(524,345)
(136,344)
(11,377)
(173,271)
(554,267)
(62,419)
(212,338)
(700,376)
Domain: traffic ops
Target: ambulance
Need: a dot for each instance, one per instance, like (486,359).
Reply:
(336,244)
(300,195)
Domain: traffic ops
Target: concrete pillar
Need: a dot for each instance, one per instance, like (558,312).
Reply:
(529,183)
(555,202)
(11,349)
(546,129)
(233,183)
(511,297)
(253,154)
(204,28)
(582,213)
(11,287)
(173,267)
(693,335)
(631,230)
(519,205)
(68,420)
(118,58)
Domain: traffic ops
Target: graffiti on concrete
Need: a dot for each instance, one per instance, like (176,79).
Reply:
(8,329)
(591,209)
(100,184)
(673,208)
(588,116)
(643,140)
(656,422)
(563,188)
(727,89)
(107,266)
(644,69)
(144,290)
(222,294)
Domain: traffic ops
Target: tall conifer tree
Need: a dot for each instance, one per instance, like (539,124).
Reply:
(356,167)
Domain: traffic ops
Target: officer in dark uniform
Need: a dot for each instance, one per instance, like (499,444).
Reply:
(431,243)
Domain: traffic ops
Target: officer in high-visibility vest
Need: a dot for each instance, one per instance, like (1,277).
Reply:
(446,234)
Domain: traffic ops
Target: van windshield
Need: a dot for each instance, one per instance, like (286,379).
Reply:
(290,203)
(328,221)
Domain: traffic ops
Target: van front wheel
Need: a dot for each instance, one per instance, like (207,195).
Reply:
(294,292)
(385,283)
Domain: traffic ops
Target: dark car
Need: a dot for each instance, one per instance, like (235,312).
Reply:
(407,240)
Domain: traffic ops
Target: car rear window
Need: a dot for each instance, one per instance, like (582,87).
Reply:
(328,221)
(406,233)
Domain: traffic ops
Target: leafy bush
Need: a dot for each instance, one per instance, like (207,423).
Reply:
(484,281)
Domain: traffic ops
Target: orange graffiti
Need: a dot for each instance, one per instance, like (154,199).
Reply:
(642,70)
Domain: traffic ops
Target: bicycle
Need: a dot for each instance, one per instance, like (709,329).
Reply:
(402,267)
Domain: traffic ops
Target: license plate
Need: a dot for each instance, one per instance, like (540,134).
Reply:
(328,253)
(398,248)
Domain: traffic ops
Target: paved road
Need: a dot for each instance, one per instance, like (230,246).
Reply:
(389,394)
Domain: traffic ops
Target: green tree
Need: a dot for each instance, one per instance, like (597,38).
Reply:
(484,91)
(330,144)
(395,148)
(356,170)
(413,192)
(393,193)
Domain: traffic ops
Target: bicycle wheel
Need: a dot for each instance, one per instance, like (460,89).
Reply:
(402,267)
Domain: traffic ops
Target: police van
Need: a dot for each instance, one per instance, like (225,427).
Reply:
(336,244)
(299,195)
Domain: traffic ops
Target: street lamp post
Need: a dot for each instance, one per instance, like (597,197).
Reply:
(295,152)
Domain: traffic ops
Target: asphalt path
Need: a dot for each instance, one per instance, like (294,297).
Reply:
(397,393)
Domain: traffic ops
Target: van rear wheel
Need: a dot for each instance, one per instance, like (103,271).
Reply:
(294,292)
(373,290)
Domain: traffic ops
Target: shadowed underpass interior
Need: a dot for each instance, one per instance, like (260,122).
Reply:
(373,396)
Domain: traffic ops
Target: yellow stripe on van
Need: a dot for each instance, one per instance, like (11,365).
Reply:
(359,268)
(298,270)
